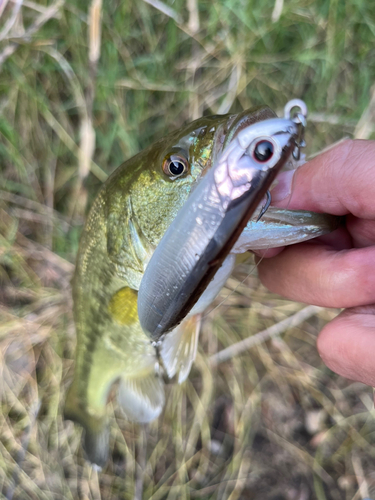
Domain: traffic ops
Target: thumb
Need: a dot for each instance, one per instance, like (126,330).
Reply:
(339,181)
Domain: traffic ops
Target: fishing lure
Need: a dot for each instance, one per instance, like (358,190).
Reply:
(212,219)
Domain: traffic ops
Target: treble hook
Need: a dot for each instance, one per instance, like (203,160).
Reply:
(265,207)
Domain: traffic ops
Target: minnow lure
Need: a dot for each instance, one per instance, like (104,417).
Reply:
(211,220)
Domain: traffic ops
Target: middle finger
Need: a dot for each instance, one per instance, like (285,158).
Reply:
(320,275)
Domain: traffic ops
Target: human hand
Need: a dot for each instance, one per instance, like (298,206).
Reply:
(337,270)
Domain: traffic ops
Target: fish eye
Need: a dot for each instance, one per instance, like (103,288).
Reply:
(175,165)
(263,151)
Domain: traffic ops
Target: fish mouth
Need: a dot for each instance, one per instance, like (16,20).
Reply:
(236,123)
(280,227)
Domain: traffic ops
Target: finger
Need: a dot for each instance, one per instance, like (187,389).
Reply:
(362,231)
(316,274)
(347,345)
(338,240)
(268,253)
(339,182)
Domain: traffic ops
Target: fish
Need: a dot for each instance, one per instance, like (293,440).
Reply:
(127,220)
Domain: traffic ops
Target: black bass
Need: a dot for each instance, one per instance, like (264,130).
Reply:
(127,220)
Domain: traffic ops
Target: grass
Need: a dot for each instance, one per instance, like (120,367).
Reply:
(84,86)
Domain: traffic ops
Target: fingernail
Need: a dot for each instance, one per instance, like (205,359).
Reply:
(283,187)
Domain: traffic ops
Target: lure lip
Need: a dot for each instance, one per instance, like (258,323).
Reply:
(193,249)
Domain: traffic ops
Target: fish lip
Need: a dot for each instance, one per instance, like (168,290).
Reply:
(232,126)
(280,227)
(244,119)
(217,147)
(228,130)
(220,137)
(219,141)
(301,218)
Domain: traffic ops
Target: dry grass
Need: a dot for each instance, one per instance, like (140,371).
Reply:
(85,85)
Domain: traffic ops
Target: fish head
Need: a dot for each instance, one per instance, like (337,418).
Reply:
(172,167)
(144,194)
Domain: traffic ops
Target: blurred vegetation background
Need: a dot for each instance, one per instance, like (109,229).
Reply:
(83,87)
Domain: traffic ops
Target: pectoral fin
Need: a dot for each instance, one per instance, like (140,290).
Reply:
(179,348)
(141,399)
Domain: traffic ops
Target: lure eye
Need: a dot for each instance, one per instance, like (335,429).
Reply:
(263,151)
(175,165)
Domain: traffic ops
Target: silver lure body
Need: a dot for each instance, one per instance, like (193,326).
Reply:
(204,231)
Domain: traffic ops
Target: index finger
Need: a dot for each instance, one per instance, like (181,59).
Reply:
(339,181)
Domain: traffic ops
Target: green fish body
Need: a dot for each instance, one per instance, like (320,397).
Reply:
(127,220)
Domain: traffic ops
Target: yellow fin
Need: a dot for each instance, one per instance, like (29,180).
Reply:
(179,348)
(141,399)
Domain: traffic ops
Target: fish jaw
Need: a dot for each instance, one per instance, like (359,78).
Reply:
(280,227)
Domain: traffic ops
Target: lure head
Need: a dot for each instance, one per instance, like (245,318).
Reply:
(264,146)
